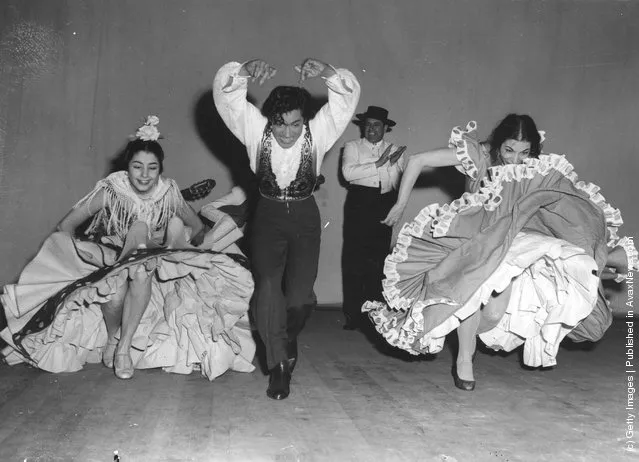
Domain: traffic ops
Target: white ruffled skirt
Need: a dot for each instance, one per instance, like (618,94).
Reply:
(197,318)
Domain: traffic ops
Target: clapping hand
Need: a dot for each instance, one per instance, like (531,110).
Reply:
(259,70)
(394,157)
(385,157)
(388,157)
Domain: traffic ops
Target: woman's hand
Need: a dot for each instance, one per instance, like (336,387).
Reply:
(395,214)
(312,67)
(618,259)
(608,274)
(259,70)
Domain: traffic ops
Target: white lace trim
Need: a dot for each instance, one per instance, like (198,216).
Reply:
(439,217)
(457,141)
(404,328)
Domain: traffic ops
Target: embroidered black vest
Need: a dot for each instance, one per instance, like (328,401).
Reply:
(305,180)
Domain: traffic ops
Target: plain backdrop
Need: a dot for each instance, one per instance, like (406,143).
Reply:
(77,78)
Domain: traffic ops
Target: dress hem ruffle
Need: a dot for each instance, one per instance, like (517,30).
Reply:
(405,330)
(439,217)
(198,305)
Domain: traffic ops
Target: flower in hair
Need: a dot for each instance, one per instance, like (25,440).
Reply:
(542,135)
(149,131)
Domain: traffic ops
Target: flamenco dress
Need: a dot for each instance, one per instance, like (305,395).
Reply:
(532,231)
(197,315)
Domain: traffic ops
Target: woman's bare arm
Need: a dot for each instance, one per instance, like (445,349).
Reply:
(443,157)
(79,215)
(190,218)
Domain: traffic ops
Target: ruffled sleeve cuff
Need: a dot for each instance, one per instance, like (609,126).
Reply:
(230,70)
(467,149)
(343,82)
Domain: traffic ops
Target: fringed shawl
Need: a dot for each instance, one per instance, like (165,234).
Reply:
(122,206)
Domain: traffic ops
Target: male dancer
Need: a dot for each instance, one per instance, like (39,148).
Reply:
(286,148)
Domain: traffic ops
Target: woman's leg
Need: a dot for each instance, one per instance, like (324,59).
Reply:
(176,235)
(136,301)
(138,236)
(467,335)
(112,314)
(485,319)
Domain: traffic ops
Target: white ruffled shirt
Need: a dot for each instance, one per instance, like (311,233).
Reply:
(247,123)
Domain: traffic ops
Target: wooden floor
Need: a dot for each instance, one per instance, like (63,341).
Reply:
(350,401)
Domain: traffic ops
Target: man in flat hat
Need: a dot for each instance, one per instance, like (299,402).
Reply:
(372,167)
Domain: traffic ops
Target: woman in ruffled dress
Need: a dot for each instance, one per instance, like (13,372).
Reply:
(133,292)
(518,259)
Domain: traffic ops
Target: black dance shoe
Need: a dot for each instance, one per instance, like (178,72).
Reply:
(291,350)
(466,385)
(279,381)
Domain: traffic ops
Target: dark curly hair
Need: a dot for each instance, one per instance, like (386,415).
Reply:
(514,127)
(285,99)
(138,145)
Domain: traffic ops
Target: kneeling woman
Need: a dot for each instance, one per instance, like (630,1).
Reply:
(136,293)
(517,259)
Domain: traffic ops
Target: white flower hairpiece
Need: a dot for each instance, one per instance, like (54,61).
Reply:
(542,134)
(149,131)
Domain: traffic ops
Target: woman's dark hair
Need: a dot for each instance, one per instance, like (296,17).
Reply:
(514,127)
(285,99)
(138,145)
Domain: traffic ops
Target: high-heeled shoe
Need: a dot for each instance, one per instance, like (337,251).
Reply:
(123,366)
(466,385)
(109,353)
